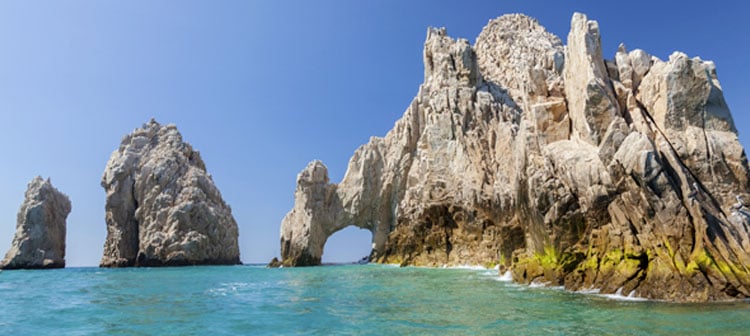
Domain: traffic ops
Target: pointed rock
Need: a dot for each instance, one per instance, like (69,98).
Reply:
(640,197)
(40,231)
(591,102)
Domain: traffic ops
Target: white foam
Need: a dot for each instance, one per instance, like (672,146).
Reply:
(468,267)
(227,288)
(537,284)
(506,277)
(588,291)
(618,296)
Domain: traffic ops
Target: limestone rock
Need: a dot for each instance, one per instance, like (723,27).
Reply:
(40,231)
(685,92)
(162,207)
(303,238)
(522,152)
(587,86)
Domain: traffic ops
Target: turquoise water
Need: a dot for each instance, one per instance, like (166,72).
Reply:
(355,299)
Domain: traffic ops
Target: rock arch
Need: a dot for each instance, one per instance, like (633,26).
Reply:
(564,167)
(348,245)
(322,209)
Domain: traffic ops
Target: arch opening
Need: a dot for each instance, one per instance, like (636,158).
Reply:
(348,245)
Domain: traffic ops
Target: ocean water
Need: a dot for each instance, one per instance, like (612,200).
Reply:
(331,300)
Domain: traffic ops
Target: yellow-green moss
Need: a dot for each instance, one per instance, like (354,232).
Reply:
(591,262)
(699,260)
(702,260)
(552,261)
(669,248)
(549,260)
(610,260)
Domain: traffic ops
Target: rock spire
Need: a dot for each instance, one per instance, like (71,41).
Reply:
(40,229)
(569,169)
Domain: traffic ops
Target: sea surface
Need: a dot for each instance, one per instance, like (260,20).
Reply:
(331,300)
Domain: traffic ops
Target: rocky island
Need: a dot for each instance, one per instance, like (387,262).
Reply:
(162,207)
(39,241)
(621,175)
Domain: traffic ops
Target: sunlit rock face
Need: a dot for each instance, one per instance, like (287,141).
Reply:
(39,241)
(162,207)
(565,168)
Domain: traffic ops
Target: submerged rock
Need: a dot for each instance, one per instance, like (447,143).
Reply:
(274,263)
(522,152)
(40,229)
(162,207)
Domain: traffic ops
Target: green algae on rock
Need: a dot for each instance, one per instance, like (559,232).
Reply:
(621,175)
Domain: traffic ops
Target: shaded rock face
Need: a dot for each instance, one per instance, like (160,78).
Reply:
(162,207)
(40,230)
(568,169)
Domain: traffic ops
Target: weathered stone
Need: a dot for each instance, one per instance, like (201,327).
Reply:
(685,99)
(592,104)
(641,63)
(40,231)
(517,153)
(274,263)
(305,231)
(685,92)
(624,67)
(162,207)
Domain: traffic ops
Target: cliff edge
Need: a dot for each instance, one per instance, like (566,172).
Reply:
(622,175)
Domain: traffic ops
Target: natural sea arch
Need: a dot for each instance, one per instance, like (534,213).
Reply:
(347,245)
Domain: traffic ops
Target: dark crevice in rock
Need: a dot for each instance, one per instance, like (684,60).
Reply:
(511,154)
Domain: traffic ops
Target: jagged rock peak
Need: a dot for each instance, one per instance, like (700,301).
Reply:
(518,54)
(39,241)
(591,101)
(568,169)
(448,61)
(162,207)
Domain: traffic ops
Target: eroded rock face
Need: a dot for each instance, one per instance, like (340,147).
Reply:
(40,229)
(162,207)
(568,169)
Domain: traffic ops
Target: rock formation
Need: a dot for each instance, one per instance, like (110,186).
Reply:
(568,169)
(40,229)
(162,207)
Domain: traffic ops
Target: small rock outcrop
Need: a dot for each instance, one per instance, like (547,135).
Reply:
(621,175)
(40,229)
(162,207)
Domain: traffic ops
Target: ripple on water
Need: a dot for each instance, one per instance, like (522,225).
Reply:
(357,299)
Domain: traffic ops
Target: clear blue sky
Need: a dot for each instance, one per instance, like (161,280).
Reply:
(262,88)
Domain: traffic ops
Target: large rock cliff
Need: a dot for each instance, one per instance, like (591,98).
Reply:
(622,175)
(162,207)
(40,229)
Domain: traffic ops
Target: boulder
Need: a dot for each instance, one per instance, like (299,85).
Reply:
(162,207)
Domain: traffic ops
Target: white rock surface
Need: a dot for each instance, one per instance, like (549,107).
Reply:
(592,103)
(522,152)
(39,241)
(162,207)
